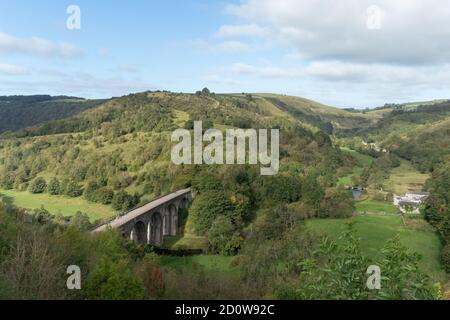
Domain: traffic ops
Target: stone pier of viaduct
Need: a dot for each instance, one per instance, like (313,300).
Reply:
(149,223)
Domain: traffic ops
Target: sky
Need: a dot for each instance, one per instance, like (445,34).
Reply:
(347,53)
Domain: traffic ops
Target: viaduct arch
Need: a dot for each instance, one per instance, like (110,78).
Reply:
(148,224)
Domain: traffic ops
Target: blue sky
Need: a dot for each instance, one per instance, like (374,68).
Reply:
(351,53)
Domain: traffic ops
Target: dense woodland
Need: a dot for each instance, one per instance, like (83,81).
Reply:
(118,154)
(437,210)
(18,112)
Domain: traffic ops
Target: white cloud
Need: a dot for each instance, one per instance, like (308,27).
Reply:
(13,70)
(232,31)
(83,84)
(37,46)
(349,52)
(412,32)
(231,47)
(265,72)
(218,79)
(336,71)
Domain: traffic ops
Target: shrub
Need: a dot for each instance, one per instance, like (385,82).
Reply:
(81,221)
(104,196)
(90,191)
(223,237)
(38,185)
(73,190)
(124,201)
(54,187)
(206,208)
(153,279)
(113,280)
(42,216)
(445,257)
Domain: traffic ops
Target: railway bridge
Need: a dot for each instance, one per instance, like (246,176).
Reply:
(149,223)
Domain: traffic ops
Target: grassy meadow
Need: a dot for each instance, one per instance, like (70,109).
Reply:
(362,160)
(405,178)
(375,229)
(374,206)
(58,204)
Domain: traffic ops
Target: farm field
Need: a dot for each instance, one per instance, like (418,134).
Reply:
(375,229)
(405,178)
(58,204)
(374,206)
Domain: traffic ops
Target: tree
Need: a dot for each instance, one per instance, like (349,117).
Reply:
(38,185)
(337,204)
(223,237)
(124,201)
(7,180)
(206,207)
(206,91)
(403,278)
(104,196)
(445,257)
(90,191)
(73,190)
(54,187)
(312,191)
(113,280)
(336,271)
(42,216)
(81,221)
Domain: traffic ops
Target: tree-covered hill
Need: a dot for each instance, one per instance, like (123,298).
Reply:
(117,154)
(18,112)
(416,132)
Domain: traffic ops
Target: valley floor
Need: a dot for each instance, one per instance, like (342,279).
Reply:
(375,223)
(375,229)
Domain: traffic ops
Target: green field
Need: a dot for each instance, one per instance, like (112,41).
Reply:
(375,229)
(209,263)
(186,242)
(363,161)
(405,178)
(58,204)
(374,206)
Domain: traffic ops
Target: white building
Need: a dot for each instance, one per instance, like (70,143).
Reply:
(411,201)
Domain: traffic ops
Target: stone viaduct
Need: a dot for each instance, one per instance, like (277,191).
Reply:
(148,224)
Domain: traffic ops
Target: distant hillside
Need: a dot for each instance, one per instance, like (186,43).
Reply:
(18,112)
(124,145)
(411,106)
(326,118)
(414,131)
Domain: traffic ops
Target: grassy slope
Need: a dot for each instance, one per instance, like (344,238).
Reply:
(373,206)
(375,229)
(405,178)
(340,118)
(383,222)
(363,161)
(56,204)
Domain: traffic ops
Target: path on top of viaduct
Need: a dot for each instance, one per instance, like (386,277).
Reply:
(148,224)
